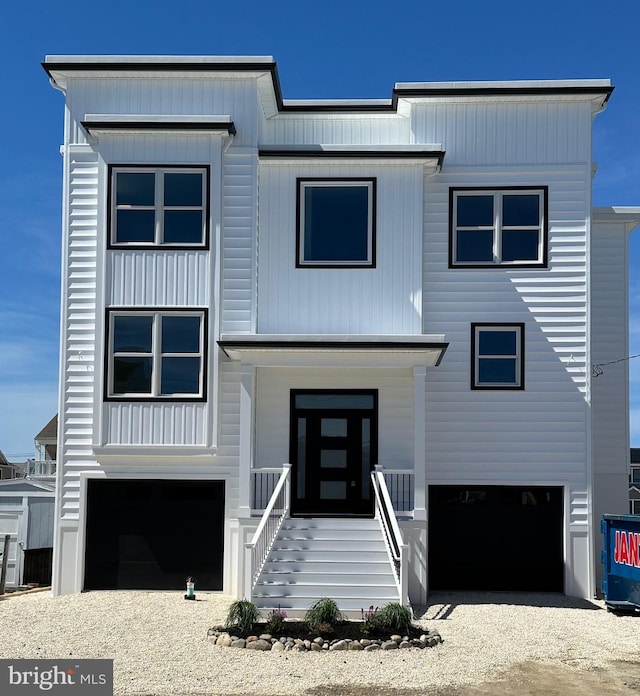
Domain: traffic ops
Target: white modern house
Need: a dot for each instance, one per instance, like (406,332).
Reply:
(334,348)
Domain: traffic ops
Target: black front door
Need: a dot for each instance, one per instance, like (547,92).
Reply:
(334,437)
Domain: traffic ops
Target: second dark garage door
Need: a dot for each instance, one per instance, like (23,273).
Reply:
(496,538)
(152,534)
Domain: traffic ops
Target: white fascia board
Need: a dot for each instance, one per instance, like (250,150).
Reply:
(337,103)
(426,149)
(160,60)
(335,350)
(506,84)
(141,123)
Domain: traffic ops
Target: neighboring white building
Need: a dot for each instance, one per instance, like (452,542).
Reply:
(419,282)
(634,482)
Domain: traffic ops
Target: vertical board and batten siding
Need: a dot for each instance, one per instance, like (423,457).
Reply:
(177,95)
(40,531)
(494,132)
(239,224)
(538,433)
(163,278)
(381,300)
(395,409)
(355,129)
(158,278)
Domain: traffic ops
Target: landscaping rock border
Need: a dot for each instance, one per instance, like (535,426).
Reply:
(224,637)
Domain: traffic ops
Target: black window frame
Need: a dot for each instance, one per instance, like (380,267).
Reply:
(498,192)
(156,354)
(301,184)
(158,207)
(516,327)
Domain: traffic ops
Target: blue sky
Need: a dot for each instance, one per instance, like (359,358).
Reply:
(328,49)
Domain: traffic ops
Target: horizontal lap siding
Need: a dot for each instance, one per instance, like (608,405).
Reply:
(395,405)
(609,314)
(239,194)
(539,433)
(79,328)
(381,300)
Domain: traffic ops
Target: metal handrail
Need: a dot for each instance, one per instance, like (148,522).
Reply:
(257,550)
(398,550)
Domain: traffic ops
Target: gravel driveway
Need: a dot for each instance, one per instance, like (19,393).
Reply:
(159,645)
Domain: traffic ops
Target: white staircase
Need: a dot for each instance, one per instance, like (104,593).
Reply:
(345,559)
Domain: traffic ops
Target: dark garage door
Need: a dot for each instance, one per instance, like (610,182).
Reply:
(151,535)
(495,538)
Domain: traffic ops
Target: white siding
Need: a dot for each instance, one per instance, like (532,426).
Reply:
(156,424)
(178,95)
(355,129)
(239,209)
(489,132)
(381,300)
(79,313)
(395,409)
(537,433)
(158,278)
(609,320)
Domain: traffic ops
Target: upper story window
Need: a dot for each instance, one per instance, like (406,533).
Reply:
(159,206)
(336,223)
(490,227)
(497,356)
(156,354)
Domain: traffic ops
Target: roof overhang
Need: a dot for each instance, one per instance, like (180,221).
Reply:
(628,216)
(61,68)
(428,154)
(96,124)
(324,350)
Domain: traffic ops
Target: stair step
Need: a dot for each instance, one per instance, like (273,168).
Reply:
(329,544)
(338,579)
(340,523)
(326,565)
(358,535)
(307,594)
(329,555)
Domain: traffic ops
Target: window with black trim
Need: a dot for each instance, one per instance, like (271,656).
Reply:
(336,223)
(490,227)
(159,206)
(156,354)
(497,356)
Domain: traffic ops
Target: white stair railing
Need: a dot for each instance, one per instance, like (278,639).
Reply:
(398,550)
(257,550)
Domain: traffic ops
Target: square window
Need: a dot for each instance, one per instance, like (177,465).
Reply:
(336,223)
(153,206)
(156,354)
(497,356)
(489,227)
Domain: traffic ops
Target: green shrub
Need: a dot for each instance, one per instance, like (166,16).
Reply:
(323,615)
(242,615)
(393,618)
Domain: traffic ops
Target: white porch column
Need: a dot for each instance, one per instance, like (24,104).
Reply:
(247,382)
(419,437)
